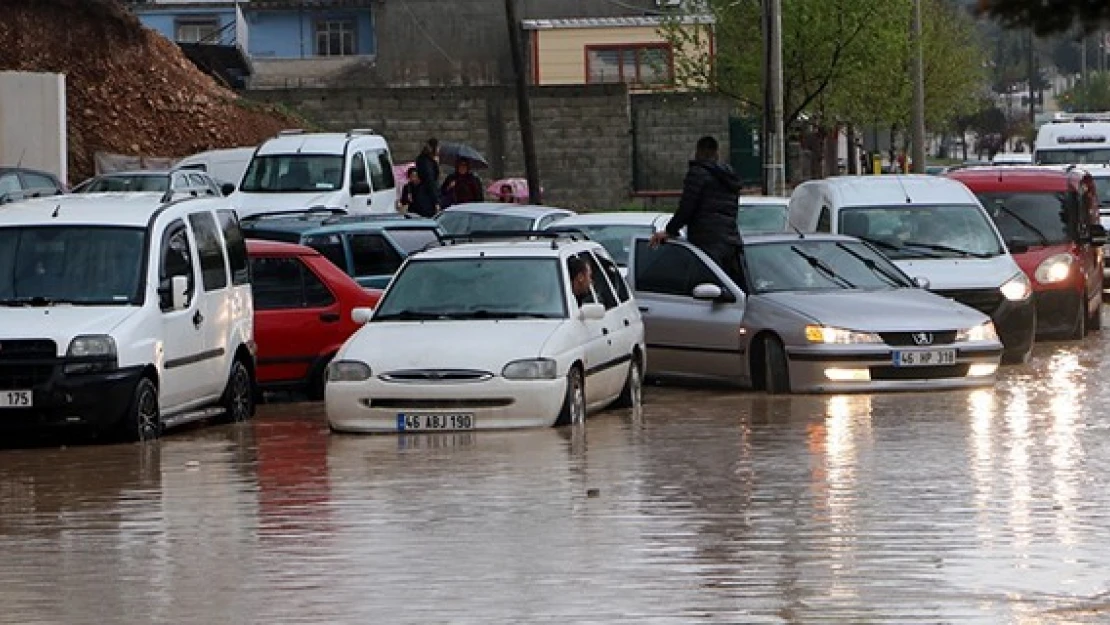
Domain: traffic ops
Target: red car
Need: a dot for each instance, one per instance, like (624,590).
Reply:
(302,313)
(1049,219)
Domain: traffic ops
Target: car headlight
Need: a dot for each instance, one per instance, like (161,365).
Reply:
(530,369)
(94,353)
(1017,288)
(983,332)
(839,336)
(348,371)
(1055,268)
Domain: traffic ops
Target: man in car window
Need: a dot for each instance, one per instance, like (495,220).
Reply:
(580,279)
(708,208)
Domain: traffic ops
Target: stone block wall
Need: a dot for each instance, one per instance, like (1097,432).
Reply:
(667,126)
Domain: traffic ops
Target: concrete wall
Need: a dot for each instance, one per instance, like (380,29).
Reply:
(582,133)
(666,128)
(33,121)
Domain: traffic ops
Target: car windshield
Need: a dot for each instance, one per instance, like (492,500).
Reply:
(127,184)
(924,231)
(413,239)
(616,239)
(761,218)
(479,288)
(465,222)
(44,265)
(1073,157)
(808,265)
(293,173)
(1102,186)
(1029,218)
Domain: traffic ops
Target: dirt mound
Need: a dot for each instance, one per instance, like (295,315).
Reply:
(129,90)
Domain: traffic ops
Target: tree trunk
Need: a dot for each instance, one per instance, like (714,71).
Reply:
(832,151)
(853,151)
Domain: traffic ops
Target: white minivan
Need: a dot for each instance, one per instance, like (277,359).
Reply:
(123,314)
(297,171)
(226,166)
(935,230)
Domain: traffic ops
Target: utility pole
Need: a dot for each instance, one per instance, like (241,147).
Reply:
(917,157)
(774,133)
(524,105)
(1032,83)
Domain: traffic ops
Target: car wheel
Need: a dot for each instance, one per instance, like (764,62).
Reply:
(1079,330)
(238,401)
(143,421)
(574,406)
(318,380)
(632,395)
(775,366)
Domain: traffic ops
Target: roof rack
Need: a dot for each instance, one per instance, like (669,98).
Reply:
(511,235)
(302,214)
(191,192)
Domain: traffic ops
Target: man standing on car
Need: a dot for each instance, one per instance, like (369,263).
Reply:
(710,200)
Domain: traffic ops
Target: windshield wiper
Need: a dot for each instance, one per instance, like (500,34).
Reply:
(410,315)
(498,314)
(886,245)
(937,247)
(823,267)
(37,301)
(870,263)
(1024,222)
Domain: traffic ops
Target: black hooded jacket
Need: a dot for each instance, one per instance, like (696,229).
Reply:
(710,195)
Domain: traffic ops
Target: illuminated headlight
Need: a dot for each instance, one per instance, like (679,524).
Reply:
(348,371)
(92,353)
(1017,288)
(839,336)
(1054,269)
(984,332)
(530,369)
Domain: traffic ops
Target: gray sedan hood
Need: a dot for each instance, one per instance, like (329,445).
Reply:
(901,310)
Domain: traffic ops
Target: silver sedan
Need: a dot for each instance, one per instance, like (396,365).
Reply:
(820,313)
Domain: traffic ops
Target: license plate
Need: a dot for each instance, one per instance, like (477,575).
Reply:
(16,399)
(433,422)
(925,358)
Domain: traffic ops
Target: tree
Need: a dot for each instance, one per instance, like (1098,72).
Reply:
(1047,17)
(1087,96)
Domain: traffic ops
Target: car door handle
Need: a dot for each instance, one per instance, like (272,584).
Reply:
(627,323)
(644,308)
(605,330)
(198,319)
(329,317)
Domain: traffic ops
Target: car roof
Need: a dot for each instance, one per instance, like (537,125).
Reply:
(97,209)
(631,218)
(756,200)
(893,190)
(263,247)
(331,143)
(1014,178)
(136,172)
(517,210)
(543,248)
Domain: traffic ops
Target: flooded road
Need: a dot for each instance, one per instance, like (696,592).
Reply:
(712,506)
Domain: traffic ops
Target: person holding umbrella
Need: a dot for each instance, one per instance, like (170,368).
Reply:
(462,186)
(427,168)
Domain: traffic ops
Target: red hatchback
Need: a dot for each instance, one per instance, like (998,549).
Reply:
(1049,219)
(302,313)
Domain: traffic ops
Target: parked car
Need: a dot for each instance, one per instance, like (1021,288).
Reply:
(614,231)
(124,314)
(302,314)
(1101,176)
(150,180)
(369,248)
(1049,219)
(490,335)
(19,183)
(933,228)
(225,166)
(762,213)
(350,172)
(463,219)
(822,313)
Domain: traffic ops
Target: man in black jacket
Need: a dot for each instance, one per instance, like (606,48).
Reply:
(427,167)
(710,200)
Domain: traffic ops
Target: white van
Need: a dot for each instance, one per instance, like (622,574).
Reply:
(225,166)
(935,230)
(296,171)
(124,313)
(1073,139)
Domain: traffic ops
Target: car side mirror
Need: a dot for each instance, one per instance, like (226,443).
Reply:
(179,292)
(708,292)
(1098,235)
(360,187)
(593,312)
(361,315)
(227,189)
(1019,246)
(921,282)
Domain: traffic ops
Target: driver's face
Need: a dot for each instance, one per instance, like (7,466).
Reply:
(582,282)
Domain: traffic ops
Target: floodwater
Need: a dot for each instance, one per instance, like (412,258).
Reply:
(714,506)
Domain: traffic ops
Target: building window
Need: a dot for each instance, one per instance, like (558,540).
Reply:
(335,38)
(197,29)
(644,64)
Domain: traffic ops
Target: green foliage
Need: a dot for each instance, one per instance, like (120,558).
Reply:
(1088,96)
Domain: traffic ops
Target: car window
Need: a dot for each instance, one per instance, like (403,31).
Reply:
(358,169)
(128,184)
(670,270)
(615,238)
(550,219)
(492,222)
(923,231)
(602,291)
(331,247)
(1030,217)
(9,183)
(809,265)
(455,222)
(381,170)
(282,283)
(413,239)
(213,267)
(293,173)
(754,218)
(615,278)
(38,181)
(372,255)
(176,260)
(1102,186)
(824,221)
(236,247)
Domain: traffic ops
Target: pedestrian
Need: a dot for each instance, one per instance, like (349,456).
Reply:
(707,209)
(506,194)
(427,166)
(416,197)
(462,186)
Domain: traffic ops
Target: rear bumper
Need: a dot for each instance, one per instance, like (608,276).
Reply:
(95,400)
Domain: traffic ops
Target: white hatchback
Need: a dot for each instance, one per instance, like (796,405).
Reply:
(490,336)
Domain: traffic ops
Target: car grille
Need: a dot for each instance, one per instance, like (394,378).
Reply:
(438,404)
(905,339)
(885,373)
(23,377)
(436,375)
(985,301)
(26,363)
(24,349)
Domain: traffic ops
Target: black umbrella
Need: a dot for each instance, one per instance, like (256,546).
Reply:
(450,153)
